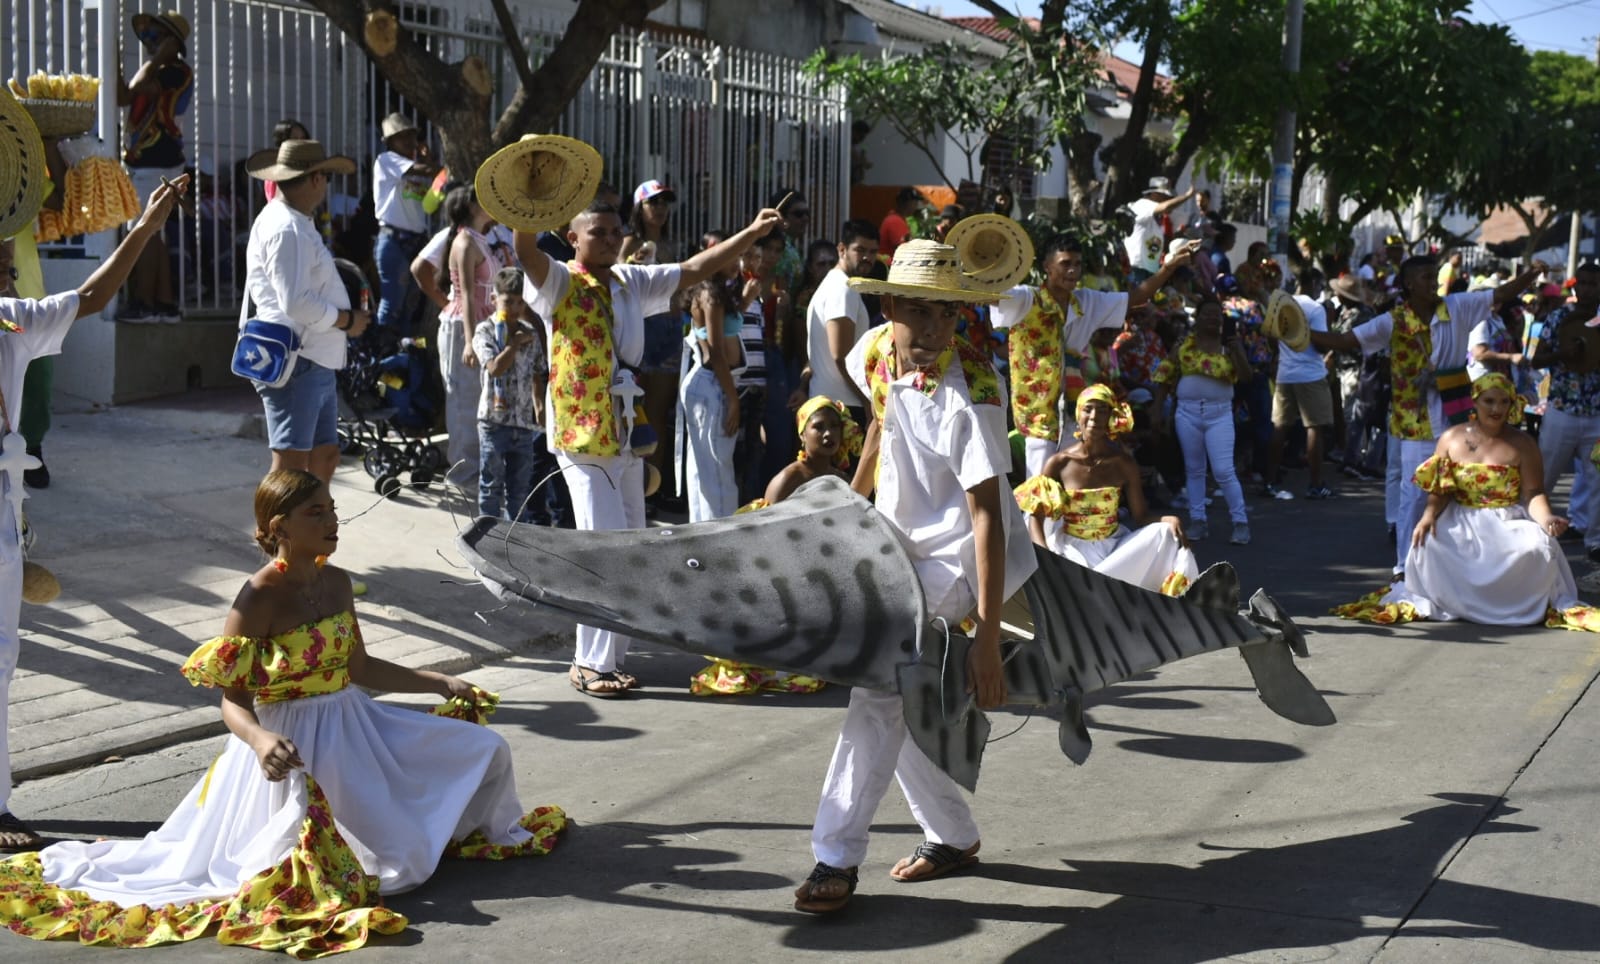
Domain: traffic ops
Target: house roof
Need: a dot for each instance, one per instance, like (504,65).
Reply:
(904,21)
(1504,225)
(1121,74)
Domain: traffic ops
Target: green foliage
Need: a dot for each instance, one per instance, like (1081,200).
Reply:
(1032,96)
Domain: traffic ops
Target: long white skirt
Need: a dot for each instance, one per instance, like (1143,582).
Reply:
(1145,557)
(401,785)
(1496,567)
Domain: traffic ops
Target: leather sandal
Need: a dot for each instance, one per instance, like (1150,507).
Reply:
(942,859)
(584,683)
(823,874)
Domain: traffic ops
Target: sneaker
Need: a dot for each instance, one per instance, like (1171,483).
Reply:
(167,314)
(1241,534)
(1593,552)
(1180,501)
(38,478)
(134,313)
(1352,472)
(1320,492)
(1590,582)
(1280,494)
(1196,530)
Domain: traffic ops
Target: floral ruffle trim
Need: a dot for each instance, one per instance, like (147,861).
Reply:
(754,505)
(725,677)
(545,823)
(316,902)
(224,661)
(1042,495)
(474,710)
(1176,584)
(1584,619)
(1371,608)
(1436,475)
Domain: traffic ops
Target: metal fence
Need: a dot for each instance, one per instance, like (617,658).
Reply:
(726,128)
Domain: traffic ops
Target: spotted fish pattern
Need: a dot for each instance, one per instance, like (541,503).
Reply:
(821,584)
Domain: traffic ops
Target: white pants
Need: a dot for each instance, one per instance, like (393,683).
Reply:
(462,387)
(1205,431)
(1412,499)
(874,745)
(1036,450)
(10,642)
(1561,438)
(607,493)
(710,484)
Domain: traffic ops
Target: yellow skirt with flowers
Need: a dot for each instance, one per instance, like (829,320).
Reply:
(299,865)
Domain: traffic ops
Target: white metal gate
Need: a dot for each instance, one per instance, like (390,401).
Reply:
(726,128)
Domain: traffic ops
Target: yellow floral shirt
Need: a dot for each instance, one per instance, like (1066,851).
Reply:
(1041,368)
(306,661)
(1084,513)
(1410,348)
(1191,359)
(983,385)
(581,361)
(1476,485)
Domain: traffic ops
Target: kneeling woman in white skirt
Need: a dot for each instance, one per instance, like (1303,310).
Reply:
(1082,488)
(1485,550)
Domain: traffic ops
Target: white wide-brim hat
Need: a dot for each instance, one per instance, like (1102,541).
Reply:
(927,270)
(539,183)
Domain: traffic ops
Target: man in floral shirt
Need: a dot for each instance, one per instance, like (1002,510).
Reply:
(1571,425)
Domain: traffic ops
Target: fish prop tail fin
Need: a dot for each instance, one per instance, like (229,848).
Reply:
(1282,686)
(1274,623)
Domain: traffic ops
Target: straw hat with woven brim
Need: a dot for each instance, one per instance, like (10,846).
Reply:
(927,270)
(23,173)
(293,159)
(1351,288)
(1286,321)
(995,251)
(539,183)
(171,21)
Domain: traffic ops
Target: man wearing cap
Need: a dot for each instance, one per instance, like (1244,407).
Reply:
(1050,331)
(401,176)
(1426,337)
(291,279)
(1571,423)
(937,456)
(156,97)
(895,230)
(31,328)
(593,310)
(1145,243)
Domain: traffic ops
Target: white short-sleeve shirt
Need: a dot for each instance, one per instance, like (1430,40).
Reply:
(1145,243)
(397,199)
(1304,366)
(933,449)
(1101,309)
(44,323)
(834,298)
(1450,342)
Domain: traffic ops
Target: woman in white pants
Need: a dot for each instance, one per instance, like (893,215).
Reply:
(1202,373)
(708,401)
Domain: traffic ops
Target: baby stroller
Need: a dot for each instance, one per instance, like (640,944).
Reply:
(387,405)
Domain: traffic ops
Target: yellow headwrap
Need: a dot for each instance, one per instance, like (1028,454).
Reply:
(850,446)
(1495,380)
(1121,415)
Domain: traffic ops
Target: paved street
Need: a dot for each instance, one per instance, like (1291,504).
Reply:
(1446,817)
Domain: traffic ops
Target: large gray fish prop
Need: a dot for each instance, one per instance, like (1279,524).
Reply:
(821,584)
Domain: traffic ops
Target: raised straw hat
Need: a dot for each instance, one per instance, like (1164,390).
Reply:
(927,270)
(293,159)
(539,183)
(1286,321)
(995,251)
(23,173)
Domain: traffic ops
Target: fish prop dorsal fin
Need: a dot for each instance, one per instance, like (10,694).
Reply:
(1216,589)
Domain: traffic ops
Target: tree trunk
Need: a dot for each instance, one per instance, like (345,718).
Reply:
(1080,150)
(1120,170)
(461,113)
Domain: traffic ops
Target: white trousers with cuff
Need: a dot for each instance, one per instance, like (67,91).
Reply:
(607,493)
(873,746)
(1412,499)
(10,640)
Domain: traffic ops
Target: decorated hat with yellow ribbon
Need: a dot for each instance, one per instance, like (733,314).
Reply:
(850,445)
(23,174)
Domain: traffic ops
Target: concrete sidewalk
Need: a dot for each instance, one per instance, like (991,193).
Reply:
(148,525)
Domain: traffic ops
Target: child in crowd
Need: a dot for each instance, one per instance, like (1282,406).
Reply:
(939,416)
(512,455)
(829,439)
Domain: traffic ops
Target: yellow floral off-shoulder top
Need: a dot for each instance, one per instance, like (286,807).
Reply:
(1084,513)
(1476,485)
(309,660)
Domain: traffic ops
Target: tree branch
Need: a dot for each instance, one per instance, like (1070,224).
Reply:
(513,37)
